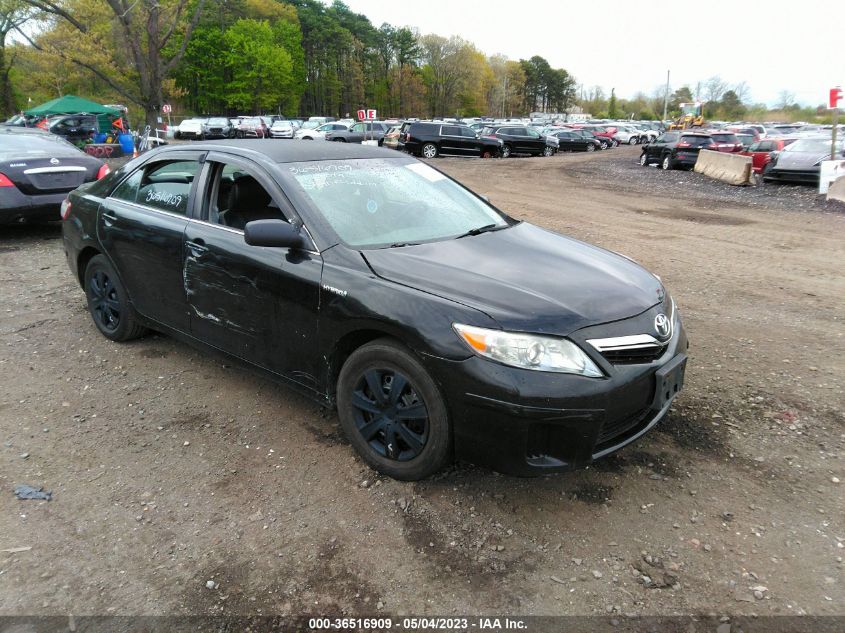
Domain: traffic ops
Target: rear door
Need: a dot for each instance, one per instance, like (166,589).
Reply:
(141,226)
(451,141)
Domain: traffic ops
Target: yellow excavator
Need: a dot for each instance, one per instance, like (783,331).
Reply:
(690,117)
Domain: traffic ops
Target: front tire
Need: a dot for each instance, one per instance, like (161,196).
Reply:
(633,140)
(548,151)
(393,412)
(429,150)
(603,144)
(643,160)
(108,302)
(506,151)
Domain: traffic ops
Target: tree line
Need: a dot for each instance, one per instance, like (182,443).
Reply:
(300,57)
(296,58)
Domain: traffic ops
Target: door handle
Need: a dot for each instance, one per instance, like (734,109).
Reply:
(108,218)
(197,247)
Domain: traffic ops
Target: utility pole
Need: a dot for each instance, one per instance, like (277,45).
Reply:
(505,94)
(666,96)
(833,134)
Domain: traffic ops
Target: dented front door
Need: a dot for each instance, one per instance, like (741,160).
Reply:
(257,303)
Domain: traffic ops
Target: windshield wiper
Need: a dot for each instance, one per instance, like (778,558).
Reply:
(401,244)
(483,229)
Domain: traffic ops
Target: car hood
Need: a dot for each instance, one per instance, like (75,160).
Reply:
(192,126)
(526,278)
(799,160)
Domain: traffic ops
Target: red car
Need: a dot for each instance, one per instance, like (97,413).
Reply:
(760,151)
(252,127)
(602,132)
(726,142)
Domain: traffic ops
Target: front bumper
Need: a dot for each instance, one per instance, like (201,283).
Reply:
(808,176)
(528,423)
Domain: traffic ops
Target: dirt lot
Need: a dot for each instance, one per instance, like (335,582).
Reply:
(170,469)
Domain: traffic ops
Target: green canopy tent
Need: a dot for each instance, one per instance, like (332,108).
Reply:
(71,104)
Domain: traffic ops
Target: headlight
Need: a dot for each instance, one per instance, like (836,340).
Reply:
(528,351)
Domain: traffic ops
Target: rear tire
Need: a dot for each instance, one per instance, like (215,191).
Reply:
(591,148)
(404,433)
(666,163)
(108,302)
(429,150)
(633,140)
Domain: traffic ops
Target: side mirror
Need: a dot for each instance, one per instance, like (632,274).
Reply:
(276,233)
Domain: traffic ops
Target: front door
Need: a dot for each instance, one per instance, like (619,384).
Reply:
(141,226)
(257,303)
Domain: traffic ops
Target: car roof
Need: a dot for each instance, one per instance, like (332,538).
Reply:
(291,152)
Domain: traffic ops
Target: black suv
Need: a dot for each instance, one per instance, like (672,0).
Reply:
(429,140)
(73,127)
(520,139)
(676,149)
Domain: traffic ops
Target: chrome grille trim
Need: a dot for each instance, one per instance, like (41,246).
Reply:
(620,343)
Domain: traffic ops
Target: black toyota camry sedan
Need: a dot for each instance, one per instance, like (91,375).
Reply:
(438,326)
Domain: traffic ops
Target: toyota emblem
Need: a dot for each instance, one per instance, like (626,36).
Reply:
(662,326)
(54,161)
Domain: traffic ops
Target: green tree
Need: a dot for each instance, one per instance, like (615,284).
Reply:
(612,108)
(134,47)
(260,70)
(13,13)
(730,107)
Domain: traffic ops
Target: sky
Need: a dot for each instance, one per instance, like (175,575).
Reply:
(773,46)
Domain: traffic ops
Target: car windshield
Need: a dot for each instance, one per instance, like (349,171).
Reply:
(285,124)
(814,145)
(218,122)
(373,203)
(725,138)
(310,125)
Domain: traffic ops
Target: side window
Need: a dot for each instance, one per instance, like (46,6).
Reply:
(532,132)
(450,130)
(167,185)
(358,127)
(467,132)
(128,189)
(237,197)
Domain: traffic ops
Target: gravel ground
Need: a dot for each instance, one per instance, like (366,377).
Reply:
(707,192)
(182,485)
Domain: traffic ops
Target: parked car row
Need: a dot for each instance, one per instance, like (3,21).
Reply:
(776,158)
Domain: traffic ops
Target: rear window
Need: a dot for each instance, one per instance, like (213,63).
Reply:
(696,141)
(23,146)
(725,138)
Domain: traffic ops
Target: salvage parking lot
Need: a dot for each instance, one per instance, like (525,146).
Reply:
(171,469)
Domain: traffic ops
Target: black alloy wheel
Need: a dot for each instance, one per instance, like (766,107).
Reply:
(390,415)
(108,303)
(393,412)
(105,305)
